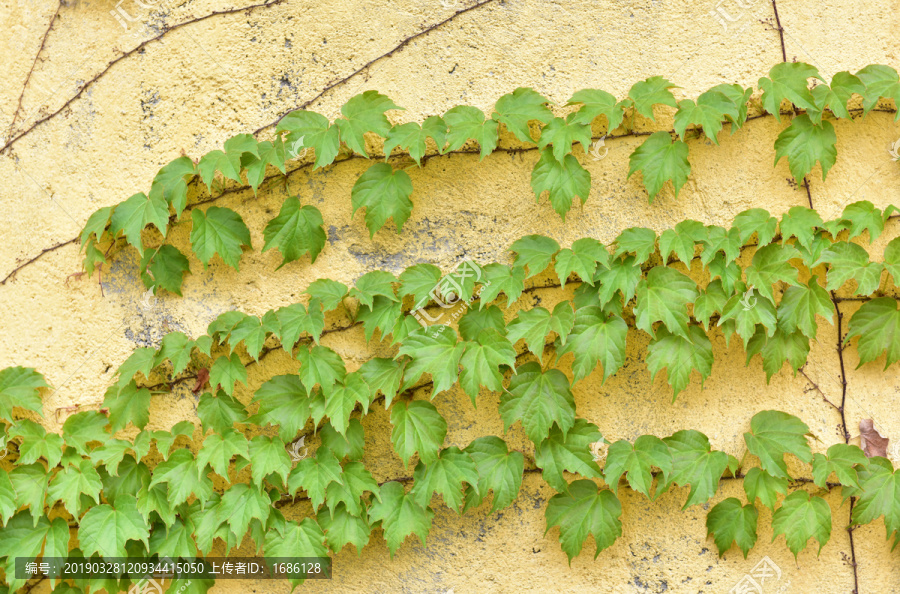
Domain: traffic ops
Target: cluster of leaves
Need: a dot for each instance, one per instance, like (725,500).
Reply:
(385,192)
(127,498)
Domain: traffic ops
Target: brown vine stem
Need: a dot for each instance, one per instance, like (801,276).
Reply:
(37,57)
(37,257)
(131,52)
(780,30)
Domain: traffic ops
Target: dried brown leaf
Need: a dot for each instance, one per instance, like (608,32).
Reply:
(872,442)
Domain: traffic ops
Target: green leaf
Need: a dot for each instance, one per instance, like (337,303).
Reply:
(774,434)
(445,475)
(104,529)
(29,483)
(654,90)
(499,470)
(268,456)
(769,266)
(880,496)
(596,103)
(562,134)
(418,427)
(840,459)
(799,306)
(183,476)
(315,133)
(381,315)
(351,443)
(419,281)
(164,268)
(110,454)
(283,401)
(84,427)
(19,387)
(637,461)
(710,302)
(342,400)
(226,372)
(663,297)
(218,450)
(761,484)
(518,108)
(500,278)
(563,179)
(800,518)
(881,81)
(412,136)
(481,362)
(297,230)
(777,349)
(342,528)
(661,159)
(863,216)
(314,474)
(128,405)
(385,194)
(96,224)
(171,181)
(680,356)
(71,482)
(596,337)
(877,323)
(228,164)
(376,282)
(465,122)
(136,213)
(851,261)
(269,153)
(218,230)
(220,412)
(538,400)
(475,320)
(36,443)
(364,113)
(682,240)
(623,276)
(709,111)
(836,96)
(435,353)
(694,463)
(639,241)
(804,143)
(787,80)
(715,239)
(582,259)
(383,375)
(320,365)
(800,222)
(568,451)
(356,481)
(745,313)
(296,539)
(584,510)
(730,522)
(94,258)
(759,221)
(20,539)
(534,252)
(295,320)
(400,516)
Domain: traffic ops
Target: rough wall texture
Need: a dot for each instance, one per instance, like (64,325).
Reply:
(232,73)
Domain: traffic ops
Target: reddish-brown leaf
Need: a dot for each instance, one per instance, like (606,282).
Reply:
(872,442)
(202,378)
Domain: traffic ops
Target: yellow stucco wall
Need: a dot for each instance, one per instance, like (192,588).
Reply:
(236,73)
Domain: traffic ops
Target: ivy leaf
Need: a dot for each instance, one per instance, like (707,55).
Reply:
(412,136)
(761,484)
(19,387)
(682,240)
(568,451)
(296,230)
(475,320)
(836,95)
(219,449)
(680,355)
(382,375)
(343,528)
(164,268)
(356,481)
(880,496)
(562,134)
(538,400)
(623,276)
(892,259)
(376,282)
(730,522)
(295,320)
(36,443)
(71,482)
(104,529)
(745,314)
(799,306)
(364,113)
(465,122)
(881,81)
(320,365)
(351,443)
(715,239)
(136,213)
(595,103)
(639,241)
(584,510)
(661,159)
(801,222)
(382,315)
(500,278)
(314,474)
(596,337)
(804,143)
(518,108)
(220,412)
(583,258)
(226,371)
(110,454)
(774,434)
(563,179)
(777,349)
(296,539)
(663,297)
(400,516)
(787,80)
(19,539)
(694,463)
(877,323)
(851,261)
(636,460)
(183,476)
(419,281)
(769,266)
(435,353)
(385,194)
(759,221)
(228,164)
(800,518)
(96,224)
(283,401)
(863,216)
(29,483)
(710,302)
(709,111)
(654,90)
(269,153)
(418,427)
(840,459)
(268,456)
(170,183)
(499,470)
(534,252)
(82,428)
(342,400)
(313,128)
(445,475)
(481,361)
(218,230)
(739,96)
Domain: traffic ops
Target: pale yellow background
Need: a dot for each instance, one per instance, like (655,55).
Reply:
(237,73)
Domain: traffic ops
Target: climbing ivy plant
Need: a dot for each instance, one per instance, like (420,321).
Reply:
(111,487)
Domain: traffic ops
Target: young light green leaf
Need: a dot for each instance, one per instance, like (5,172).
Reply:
(314,474)
(295,320)
(481,362)
(851,261)
(880,81)
(800,518)
(769,266)
(136,213)
(840,459)
(364,113)
(787,80)
(104,529)
(518,108)
(772,435)
(653,91)
(412,136)
(877,323)
(760,484)
(418,427)
(220,412)
(36,443)
(534,252)
(680,355)
(778,348)
(382,375)
(320,365)
(596,103)
(475,320)
(759,221)
(268,456)
(385,194)
(19,387)
(562,134)
(709,111)
(71,482)
(636,462)
(499,470)
(800,305)
(836,95)
(435,353)
(171,181)
(569,451)
(218,231)
(283,401)
(226,372)
(596,337)
(500,278)
(694,463)
(663,296)
(228,164)
(419,281)
(349,444)
(219,449)
(315,133)
(446,475)
(341,401)
(563,179)
(661,159)
(538,400)
(164,268)
(400,516)
(343,528)
(800,222)
(730,522)
(83,428)
(583,258)
(880,496)
(804,143)
(465,122)
(584,510)
(297,230)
